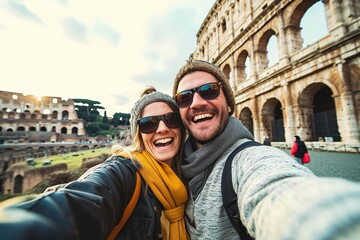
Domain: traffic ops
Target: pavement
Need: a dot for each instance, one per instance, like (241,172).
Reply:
(334,164)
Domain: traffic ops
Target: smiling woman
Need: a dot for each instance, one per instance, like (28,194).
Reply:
(91,207)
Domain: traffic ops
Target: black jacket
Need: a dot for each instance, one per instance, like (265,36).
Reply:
(87,209)
(302,149)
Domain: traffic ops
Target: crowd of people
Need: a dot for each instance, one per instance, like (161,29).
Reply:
(180,146)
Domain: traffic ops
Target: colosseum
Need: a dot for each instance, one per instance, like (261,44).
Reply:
(283,86)
(30,114)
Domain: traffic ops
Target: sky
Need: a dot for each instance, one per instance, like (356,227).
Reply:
(106,51)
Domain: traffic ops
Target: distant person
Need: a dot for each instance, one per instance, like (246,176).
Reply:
(267,141)
(278,199)
(90,208)
(298,149)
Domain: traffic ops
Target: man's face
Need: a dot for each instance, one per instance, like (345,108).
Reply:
(204,119)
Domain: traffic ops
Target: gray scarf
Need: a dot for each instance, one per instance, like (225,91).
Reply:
(198,163)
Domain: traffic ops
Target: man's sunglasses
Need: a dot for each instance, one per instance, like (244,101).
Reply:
(207,91)
(151,123)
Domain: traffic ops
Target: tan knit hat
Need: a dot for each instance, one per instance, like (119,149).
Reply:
(200,65)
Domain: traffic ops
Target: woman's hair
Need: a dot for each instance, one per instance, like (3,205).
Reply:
(148,96)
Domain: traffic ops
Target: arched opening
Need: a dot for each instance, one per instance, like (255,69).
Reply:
(18,184)
(325,120)
(243,66)
(311,32)
(247,119)
(63,130)
(273,121)
(21,129)
(74,130)
(227,71)
(65,115)
(278,124)
(263,49)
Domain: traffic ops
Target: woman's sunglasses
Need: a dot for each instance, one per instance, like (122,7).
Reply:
(151,123)
(207,91)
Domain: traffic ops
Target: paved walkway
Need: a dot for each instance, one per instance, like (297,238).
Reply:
(335,164)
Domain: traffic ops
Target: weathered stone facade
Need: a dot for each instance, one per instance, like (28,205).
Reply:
(31,119)
(312,91)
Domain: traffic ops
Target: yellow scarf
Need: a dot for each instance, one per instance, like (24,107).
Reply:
(170,191)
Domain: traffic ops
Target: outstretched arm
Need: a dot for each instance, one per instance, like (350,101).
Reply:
(85,209)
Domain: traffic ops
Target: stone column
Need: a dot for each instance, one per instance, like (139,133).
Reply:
(282,41)
(338,28)
(289,113)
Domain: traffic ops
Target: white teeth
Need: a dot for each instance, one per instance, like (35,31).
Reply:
(202,116)
(162,141)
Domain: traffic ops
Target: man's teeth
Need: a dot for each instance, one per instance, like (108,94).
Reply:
(163,141)
(202,116)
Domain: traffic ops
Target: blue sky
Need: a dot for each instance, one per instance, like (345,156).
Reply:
(107,50)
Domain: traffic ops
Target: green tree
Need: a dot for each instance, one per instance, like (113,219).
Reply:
(87,109)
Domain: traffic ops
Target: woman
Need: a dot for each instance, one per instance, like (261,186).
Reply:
(298,149)
(90,208)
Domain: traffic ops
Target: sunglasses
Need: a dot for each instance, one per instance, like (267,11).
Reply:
(151,123)
(207,91)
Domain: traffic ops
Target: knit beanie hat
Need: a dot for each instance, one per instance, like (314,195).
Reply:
(149,95)
(200,65)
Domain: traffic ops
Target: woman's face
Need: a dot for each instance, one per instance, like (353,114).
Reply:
(164,143)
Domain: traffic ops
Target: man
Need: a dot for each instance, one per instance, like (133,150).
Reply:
(277,198)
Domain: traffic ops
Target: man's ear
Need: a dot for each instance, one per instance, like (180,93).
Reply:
(229,109)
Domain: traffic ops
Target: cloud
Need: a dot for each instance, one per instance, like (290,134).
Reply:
(168,46)
(63,2)
(107,32)
(22,11)
(121,100)
(75,29)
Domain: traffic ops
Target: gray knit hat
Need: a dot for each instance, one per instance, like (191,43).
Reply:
(200,65)
(149,95)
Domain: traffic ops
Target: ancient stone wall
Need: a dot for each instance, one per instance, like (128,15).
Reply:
(312,91)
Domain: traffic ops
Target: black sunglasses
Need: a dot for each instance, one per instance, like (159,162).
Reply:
(151,123)
(207,91)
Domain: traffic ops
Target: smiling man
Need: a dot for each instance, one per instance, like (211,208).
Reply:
(277,197)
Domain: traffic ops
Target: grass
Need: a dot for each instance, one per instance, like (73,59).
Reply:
(73,159)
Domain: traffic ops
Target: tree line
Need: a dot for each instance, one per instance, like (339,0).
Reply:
(95,124)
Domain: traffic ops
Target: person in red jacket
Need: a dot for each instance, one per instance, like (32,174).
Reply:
(298,149)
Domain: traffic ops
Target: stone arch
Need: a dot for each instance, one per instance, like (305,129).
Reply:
(262,53)
(84,148)
(293,30)
(227,71)
(65,115)
(273,120)
(247,119)
(317,114)
(20,129)
(74,130)
(18,184)
(63,130)
(241,66)
(43,129)
(54,114)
